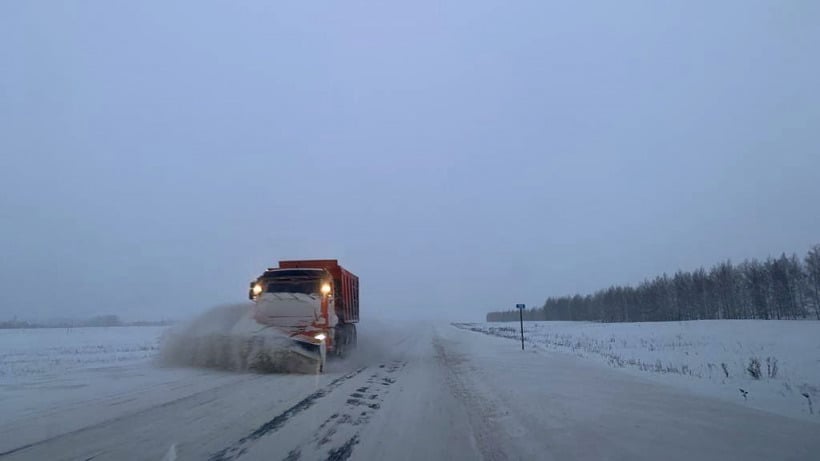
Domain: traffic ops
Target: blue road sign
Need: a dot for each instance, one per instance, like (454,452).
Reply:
(520,306)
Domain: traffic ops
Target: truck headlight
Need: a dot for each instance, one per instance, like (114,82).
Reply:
(257,289)
(325,288)
(320,336)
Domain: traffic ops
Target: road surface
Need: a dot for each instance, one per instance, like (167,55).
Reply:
(426,392)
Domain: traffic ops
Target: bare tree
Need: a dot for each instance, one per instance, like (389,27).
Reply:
(781,288)
(813,275)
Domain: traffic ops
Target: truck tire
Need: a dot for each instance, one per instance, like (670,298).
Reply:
(345,339)
(354,340)
(342,340)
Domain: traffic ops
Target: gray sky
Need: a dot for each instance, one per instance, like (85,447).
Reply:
(458,156)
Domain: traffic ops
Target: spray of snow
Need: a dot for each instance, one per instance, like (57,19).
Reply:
(226,337)
(376,344)
(218,319)
(188,343)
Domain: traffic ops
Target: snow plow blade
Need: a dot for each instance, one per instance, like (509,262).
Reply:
(245,347)
(259,353)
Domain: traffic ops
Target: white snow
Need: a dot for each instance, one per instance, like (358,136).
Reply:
(428,391)
(27,355)
(54,380)
(693,354)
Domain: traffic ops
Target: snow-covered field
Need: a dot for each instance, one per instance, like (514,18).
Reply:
(711,357)
(411,391)
(31,354)
(51,379)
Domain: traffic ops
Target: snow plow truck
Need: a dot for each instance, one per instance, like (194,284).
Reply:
(302,312)
(314,302)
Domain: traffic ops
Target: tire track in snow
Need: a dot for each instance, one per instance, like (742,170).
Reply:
(365,401)
(239,447)
(343,452)
(346,424)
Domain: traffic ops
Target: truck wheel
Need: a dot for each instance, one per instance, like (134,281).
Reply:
(352,338)
(342,339)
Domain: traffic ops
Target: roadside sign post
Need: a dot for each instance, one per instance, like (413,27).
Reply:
(521,308)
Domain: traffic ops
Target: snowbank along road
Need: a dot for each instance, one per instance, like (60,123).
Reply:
(427,391)
(773,362)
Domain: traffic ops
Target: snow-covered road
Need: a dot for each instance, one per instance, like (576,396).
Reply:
(427,391)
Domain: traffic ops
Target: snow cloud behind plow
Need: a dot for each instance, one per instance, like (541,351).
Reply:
(225,337)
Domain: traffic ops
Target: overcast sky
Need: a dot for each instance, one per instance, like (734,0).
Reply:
(458,156)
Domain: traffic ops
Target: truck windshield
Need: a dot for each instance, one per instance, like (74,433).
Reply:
(305,286)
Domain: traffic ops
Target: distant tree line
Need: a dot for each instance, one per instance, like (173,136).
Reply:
(777,288)
(98,321)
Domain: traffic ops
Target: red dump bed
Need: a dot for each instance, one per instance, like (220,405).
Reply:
(346,285)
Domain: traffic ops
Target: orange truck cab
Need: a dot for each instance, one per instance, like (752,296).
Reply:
(310,300)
